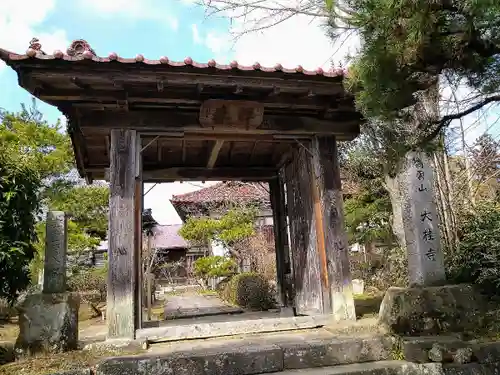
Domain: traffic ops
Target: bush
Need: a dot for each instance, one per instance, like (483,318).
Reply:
(214,266)
(477,257)
(249,290)
(389,269)
(19,186)
(90,284)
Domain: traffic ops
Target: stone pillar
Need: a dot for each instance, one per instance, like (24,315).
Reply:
(421,221)
(56,245)
(48,322)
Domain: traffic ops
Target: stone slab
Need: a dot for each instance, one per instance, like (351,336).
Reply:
(421,221)
(186,313)
(328,352)
(195,305)
(373,368)
(56,244)
(488,352)
(86,371)
(241,360)
(416,349)
(218,329)
(48,323)
(422,311)
(472,369)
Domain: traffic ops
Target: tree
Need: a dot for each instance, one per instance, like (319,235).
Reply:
(232,227)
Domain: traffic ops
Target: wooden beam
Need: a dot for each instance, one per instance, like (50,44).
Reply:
(345,125)
(141,75)
(122,278)
(214,153)
(204,174)
(334,248)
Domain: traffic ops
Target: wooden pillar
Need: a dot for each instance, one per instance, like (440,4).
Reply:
(138,207)
(332,242)
(277,193)
(122,274)
(308,285)
(319,248)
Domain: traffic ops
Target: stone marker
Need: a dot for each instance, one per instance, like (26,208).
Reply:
(421,222)
(56,244)
(48,321)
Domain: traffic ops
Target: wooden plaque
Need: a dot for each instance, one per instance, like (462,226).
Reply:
(244,115)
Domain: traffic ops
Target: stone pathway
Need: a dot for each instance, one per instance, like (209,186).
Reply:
(194,305)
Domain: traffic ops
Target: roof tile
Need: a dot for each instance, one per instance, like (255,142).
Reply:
(80,50)
(233,191)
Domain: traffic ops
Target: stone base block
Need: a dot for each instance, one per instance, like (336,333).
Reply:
(424,311)
(48,323)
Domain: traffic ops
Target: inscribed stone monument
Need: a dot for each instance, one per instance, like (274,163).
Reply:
(48,321)
(54,275)
(421,222)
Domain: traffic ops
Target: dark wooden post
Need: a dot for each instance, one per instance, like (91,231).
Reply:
(277,193)
(332,242)
(138,207)
(309,284)
(122,277)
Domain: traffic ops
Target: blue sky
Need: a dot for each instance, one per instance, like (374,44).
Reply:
(154,28)
(172,28)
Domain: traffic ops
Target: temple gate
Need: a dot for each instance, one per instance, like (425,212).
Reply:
(136,120)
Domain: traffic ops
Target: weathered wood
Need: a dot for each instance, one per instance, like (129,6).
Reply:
(214,153)
(129,77)
(345,125)
(277,195)
(121,299)
(333,246)
(138,208)
(308,290)
(214,174)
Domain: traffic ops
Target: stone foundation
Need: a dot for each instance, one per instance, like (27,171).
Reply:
(424,311)
(48,323)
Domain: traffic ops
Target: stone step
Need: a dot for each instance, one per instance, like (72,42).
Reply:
(371,368)
(252,356)
(175,332)
(449,348)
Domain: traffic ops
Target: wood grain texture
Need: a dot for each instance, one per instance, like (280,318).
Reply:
(334,247)
(308,293)
(122,276)
(277,194)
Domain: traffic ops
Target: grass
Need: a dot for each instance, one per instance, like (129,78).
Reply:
(367,304)
(42,365)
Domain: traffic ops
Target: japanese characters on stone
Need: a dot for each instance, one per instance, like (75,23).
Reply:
(427,235)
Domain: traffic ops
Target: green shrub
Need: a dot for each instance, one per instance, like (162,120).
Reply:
(214,266)
(249,290)
(477,257)
(90,283)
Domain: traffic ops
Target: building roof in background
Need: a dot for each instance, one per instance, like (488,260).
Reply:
(231,191)
(168,237)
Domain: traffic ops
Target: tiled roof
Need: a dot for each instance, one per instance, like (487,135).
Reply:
(80,50)
(231,191)
(168,237)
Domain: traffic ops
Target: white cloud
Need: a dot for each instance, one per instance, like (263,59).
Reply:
(133,9)
(196,35)
(300,40)
(19,20)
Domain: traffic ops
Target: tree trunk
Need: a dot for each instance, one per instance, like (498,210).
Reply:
(392,187)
